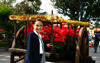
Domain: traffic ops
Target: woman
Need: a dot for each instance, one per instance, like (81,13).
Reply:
(35,47)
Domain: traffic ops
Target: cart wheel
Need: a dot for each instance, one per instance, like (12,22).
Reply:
(82,46)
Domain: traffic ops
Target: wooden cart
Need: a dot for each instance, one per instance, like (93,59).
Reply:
(19,46)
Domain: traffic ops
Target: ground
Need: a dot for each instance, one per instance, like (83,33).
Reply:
(5,55)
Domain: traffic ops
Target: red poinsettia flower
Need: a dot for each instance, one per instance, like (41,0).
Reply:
(77,35)
(57,39)
(56,35)
(77,30)
(62,40)
(71,32)
(59,34)
(29,28)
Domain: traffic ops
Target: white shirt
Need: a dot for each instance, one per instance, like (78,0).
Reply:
(40,42)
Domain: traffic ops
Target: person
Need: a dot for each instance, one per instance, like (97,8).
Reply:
(96,43)
(35,47)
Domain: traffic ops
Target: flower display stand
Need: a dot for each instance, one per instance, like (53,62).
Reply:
(76,55)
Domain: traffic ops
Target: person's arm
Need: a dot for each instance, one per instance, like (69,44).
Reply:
(27,58)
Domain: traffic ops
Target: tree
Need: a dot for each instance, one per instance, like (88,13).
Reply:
(97,24)
(74,8)
(5,11)
(28,7)
(95,9)
(8,2)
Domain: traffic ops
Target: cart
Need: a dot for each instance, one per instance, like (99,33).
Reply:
(81,48)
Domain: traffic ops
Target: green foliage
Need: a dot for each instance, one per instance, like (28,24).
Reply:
(74,8)
(5,11)
(8,2)
(96,9)
(97,24)
(68,7)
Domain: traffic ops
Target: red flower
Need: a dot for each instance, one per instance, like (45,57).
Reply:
(71,32)
(29,28)
(77,30)
(62,40)
(56,35)
(77,35)
(56,39)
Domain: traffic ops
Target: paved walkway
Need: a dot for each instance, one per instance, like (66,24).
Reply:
(95,56)
(5,56)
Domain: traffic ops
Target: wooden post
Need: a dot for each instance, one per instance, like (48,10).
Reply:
(60,28)
(68,40)
(12,58)
(15,30)
(13,45)
(25,35)
(14,42)
(75,32)
(74,41)
(60,25)
(52,33)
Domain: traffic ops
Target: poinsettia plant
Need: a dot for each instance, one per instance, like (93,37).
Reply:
(60,35)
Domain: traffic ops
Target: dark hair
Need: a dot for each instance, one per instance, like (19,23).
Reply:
(38,19)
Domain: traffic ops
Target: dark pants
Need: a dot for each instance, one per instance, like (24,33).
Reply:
(40,57)
(95,46)
(33,59)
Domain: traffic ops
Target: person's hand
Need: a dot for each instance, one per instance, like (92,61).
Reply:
(49,45)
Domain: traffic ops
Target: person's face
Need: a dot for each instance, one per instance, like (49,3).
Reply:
(38,25)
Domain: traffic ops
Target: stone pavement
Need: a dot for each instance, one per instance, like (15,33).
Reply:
(95,56)
(5,56)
